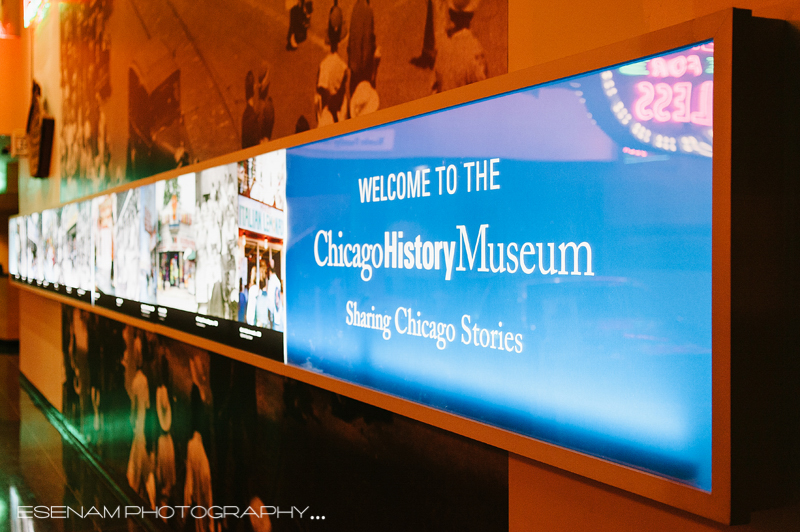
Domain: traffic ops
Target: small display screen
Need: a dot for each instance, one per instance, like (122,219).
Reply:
(202,252)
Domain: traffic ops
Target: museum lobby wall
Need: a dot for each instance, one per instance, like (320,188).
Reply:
(384,456)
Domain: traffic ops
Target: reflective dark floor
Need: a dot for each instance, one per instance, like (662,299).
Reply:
(38,468)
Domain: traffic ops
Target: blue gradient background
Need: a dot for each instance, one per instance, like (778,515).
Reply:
(617,365)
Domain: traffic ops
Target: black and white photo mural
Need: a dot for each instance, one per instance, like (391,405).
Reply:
(178,425)
(149,86)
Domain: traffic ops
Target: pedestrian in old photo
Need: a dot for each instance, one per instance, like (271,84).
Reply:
(138,461)
(242,301)
(299,21)
(197,488)
(274,294)
(251,134)
(263,316)
(252,297)
(301,124)
(460,59)
(264,108)
(165,448)
(361,47)
(427,57)
(330,101)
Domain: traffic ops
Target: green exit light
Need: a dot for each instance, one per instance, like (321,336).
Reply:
(3,178)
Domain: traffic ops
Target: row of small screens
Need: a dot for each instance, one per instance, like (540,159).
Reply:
(209,242)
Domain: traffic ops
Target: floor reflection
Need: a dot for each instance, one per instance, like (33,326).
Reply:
(38,468)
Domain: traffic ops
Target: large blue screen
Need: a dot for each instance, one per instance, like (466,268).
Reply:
(539,261)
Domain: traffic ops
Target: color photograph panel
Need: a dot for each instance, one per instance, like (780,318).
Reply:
(262,234)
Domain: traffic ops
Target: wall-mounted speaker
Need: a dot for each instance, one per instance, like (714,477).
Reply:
(41,154)
(40,132)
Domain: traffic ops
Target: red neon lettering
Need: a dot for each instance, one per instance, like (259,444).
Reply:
(640,109)
(703,116)
(682,95)
(677,66)
(694,65)
(664,93)
(654,101)
(658,67)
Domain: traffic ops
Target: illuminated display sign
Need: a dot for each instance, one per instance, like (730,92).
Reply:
(503,261)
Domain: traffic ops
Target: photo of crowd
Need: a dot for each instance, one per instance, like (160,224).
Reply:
(261,302)
(262,232)
(54,246)
(130,393)
(209,243)
(160,86)
(178,425)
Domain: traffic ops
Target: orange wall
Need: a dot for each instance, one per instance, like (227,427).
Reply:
(543,31)
(4,241)
(13,91)
(542,498)
(40,357)
(36,194)
(9,310)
